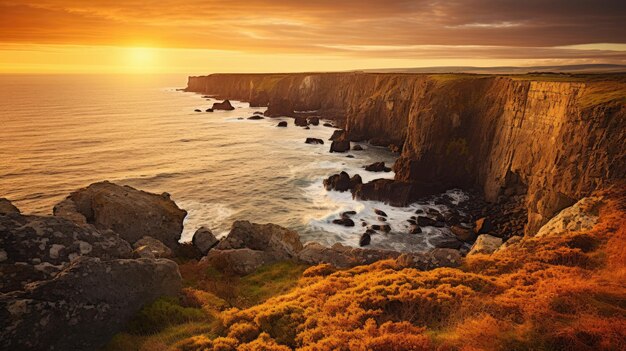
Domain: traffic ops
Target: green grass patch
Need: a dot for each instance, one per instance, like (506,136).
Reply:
(163,313)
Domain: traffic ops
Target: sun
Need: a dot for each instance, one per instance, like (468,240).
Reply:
(141,59)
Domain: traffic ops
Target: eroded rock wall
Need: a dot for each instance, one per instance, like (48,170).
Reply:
(554,140)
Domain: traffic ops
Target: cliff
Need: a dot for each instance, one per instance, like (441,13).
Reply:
(553,138)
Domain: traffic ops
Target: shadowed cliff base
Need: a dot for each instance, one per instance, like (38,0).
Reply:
(551,137)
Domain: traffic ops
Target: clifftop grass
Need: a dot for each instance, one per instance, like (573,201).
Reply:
(564,292)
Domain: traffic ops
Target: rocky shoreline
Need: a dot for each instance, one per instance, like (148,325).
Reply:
(108,250)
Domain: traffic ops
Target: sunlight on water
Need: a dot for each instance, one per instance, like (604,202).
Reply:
(62,133)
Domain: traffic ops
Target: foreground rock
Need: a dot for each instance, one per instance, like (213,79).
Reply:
(238,261)
(582,216)
(6,207)
(342,182)
(485,244)
(149,247)
(129,212)
(84,305)
(377,167)
(224,105)
(340,146)
(204,240)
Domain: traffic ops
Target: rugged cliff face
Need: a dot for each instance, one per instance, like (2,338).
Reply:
(552,138)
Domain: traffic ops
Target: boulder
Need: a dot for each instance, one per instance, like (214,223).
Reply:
(395,193)
(129,212)
(238,261)
(340,146)
(282,124)
(38,247)
(365,239)
(197,110)
(377,167)
(424,221)
(152,245)
(380,212)
(430,260)
(342,256)
(483,226)
(256,117)
(204,240)
(342,182)
(314,141)
(445,241)
(85,304)
(581,216)
(301,121)
(346,222)
(463,234)
(337,135)
(7,208)
(414,229)
(259,113)
(485,244)
(224,105)
(314,121)
(280,243)
(357,148)
(328,125)
(381,227)
(209,110)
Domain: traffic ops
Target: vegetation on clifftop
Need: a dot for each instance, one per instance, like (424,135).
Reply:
(562,292)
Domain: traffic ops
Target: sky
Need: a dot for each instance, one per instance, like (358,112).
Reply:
(207,36)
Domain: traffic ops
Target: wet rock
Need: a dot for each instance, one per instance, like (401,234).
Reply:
(328,125)
(224,105)
(346,222)
(350,156)
(238,261)
(485,244)
(340,146)
(347,214)
(89,295)
(357,148)
(423,221)
(342,182)
(209,110)
(380,212)
(282,124)
(301,121)
(337,135)
(389,191)
(204,240)
(259,113)
(256,117)
(7,208)
(365,239)
(445,241)
(381,227)
(129,212)
(377,167)
(414,229)
(463,234)
(197,110)
(382,219)
(155,247)
(280,243)
(314,141)
(314,121)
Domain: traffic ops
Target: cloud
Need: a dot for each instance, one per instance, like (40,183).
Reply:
(477,28)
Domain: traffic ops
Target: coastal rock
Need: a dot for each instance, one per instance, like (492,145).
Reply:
(357,148)
(581,216)
(256,117)
(209,110)
(342,182)
(197,110)
(342,256)
(483,226)
(445,241)
(315,121)
(301,121)
(463,234)
(430,260)
(152,245)
(282,124)
(346,222)
(7,208)
(224,105)
(365,239)
(377,167)
(89,295)
(388,191)
(328,125)
(314,141)
(380,212)
(280,243)
(340,146)
(238,261)
(204,240)
(127,211)
(423,221)
(337,135)
(485,244)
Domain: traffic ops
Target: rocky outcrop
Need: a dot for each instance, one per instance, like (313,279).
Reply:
(129,212)
(342,182)
(224,105)
(485,244)
(554,140)
(84,305)
(204,240)
(70,286)
(6,207)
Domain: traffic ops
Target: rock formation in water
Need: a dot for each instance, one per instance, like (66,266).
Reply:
(551,139)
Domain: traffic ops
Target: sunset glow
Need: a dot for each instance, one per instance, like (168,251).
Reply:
(260,36)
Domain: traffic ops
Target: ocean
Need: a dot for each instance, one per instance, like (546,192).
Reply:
(60,133)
